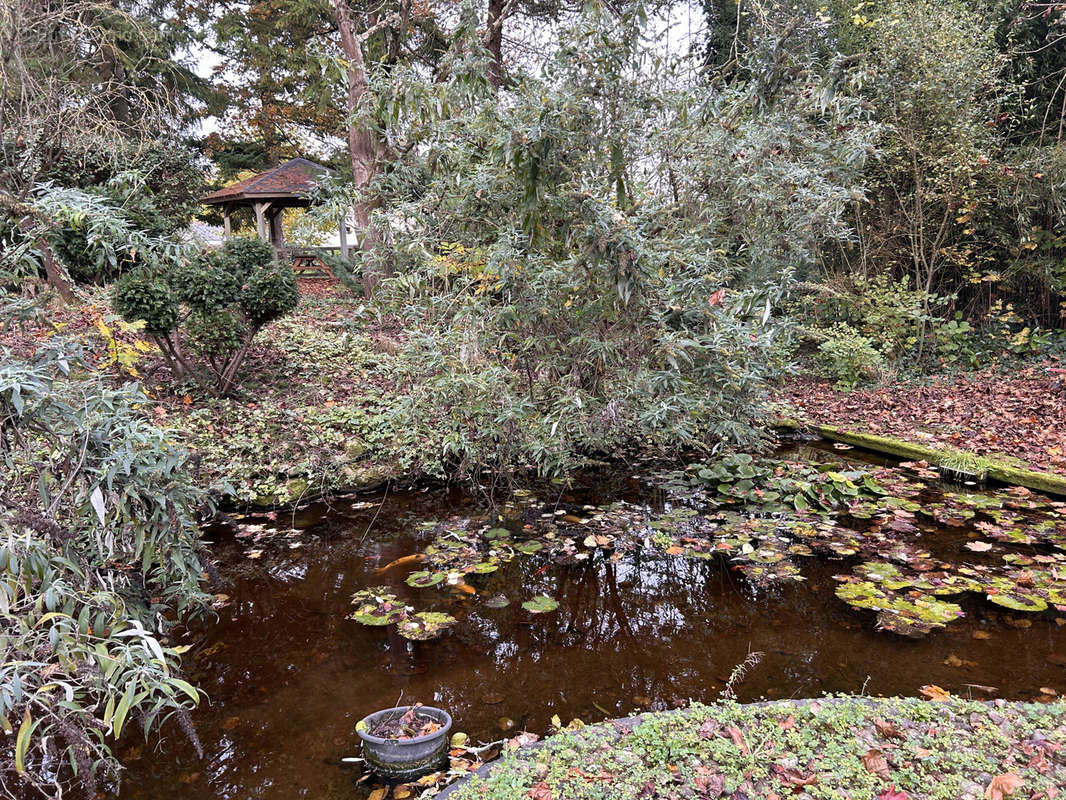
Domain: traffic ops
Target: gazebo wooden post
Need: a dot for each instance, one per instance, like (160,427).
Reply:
(268,194)
(277,229)
(260,220)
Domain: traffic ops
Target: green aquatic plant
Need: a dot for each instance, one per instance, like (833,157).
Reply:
(911,614)
(377,606)
(540,604)
(772,485)
(424,578)
(424,625)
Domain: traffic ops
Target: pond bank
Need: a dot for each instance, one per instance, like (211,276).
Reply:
(857,747)
(960,462)
(1015,419)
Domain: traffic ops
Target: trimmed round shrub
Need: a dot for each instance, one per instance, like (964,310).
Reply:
(216,334)
(269,294)
(207,283)
(140,295)
(243,256)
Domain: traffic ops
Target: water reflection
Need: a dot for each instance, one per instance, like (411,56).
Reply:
(288,676)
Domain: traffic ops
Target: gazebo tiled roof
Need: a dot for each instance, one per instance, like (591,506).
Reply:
(293,179)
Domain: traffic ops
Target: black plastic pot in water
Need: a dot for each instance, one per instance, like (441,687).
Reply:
(403,760)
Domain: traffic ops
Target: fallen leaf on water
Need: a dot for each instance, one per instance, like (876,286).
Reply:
(400,792)
(1003,785)
(1048,690)
(378,794)
(982,635)
(978,547)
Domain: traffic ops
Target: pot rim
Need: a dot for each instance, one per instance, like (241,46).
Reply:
(366,736)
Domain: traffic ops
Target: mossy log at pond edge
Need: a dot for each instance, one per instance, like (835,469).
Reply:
(985,467)
(297,491)
(705,743)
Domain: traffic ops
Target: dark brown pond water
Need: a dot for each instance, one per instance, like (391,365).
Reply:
(288,675)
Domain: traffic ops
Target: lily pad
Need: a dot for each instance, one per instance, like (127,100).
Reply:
(376,606)
(540,604)
(911,614)
(424,578)
(425,625)
(1017,601)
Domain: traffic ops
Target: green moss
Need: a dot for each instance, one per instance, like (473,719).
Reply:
(994,468)
(933,751)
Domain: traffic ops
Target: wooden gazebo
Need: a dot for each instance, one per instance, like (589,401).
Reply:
(269,193)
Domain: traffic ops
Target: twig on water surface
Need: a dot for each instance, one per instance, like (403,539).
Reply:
(376,514)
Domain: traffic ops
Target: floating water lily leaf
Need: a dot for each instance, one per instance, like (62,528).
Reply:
(1017,601)
(424,578)
(861,594)
(497,533)
(425,625)
(954,584)
(763,574)
(916,616)
(484,567)
(906,614)
(540,604)
(498,601)
(887,575)
(376,606)
(530,547)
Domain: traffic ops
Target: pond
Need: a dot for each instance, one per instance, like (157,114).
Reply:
(644,621)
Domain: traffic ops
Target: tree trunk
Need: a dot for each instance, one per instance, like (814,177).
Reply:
(52,270)
(494,41)
(360,141)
